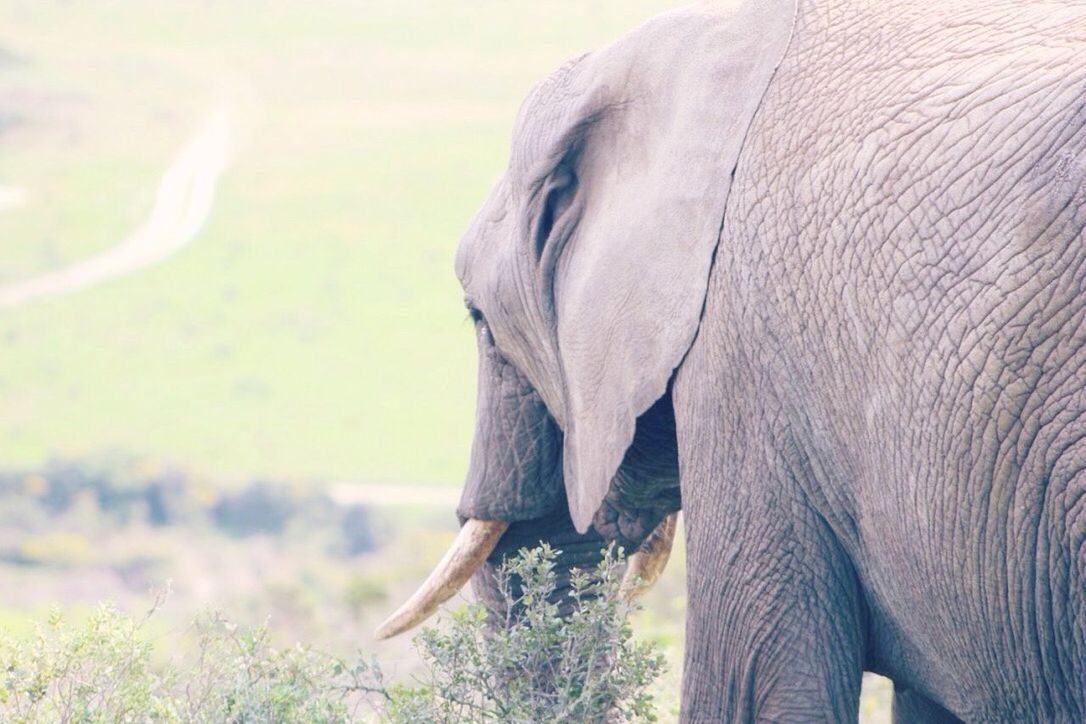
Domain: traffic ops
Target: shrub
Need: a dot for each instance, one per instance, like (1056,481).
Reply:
(259,508)
(358,531)
(103,671)
(531,665)
(98,672)
(240,677)
(55,548)
(362,593)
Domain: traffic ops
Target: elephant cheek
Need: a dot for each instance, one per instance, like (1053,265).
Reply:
(515,472)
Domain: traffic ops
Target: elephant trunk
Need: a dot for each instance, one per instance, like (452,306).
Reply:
(515,497)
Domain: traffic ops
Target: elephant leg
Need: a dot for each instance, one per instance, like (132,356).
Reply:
(911,707)
(775,619)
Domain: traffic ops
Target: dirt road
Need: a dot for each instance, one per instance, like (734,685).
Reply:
(393,495)
(182,205)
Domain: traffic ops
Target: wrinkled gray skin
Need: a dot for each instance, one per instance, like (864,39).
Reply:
(834,267)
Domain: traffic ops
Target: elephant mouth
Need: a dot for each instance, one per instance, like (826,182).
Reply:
(475,543)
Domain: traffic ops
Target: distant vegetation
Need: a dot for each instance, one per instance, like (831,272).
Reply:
(125,491)
(83,530)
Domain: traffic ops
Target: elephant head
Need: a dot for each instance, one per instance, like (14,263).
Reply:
(586,272)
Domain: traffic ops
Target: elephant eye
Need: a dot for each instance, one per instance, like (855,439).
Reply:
(558,194)
(479,321)
(473,311)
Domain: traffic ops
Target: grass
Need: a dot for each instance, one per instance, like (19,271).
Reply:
(314,329)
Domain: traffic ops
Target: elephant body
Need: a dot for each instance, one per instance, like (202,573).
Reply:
(815,272)
(889,382)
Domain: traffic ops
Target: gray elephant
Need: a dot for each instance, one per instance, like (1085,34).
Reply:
(813,271)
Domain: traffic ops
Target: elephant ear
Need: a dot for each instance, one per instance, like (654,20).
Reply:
(670,104)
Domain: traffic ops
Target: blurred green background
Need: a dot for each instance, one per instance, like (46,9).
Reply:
(311,333)
(314,327)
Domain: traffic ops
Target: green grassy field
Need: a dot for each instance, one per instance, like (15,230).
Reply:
(314,328)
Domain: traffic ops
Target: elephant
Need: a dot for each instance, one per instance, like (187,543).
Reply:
(812,272)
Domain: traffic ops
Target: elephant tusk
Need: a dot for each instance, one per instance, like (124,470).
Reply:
(645,566)
(472,545)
